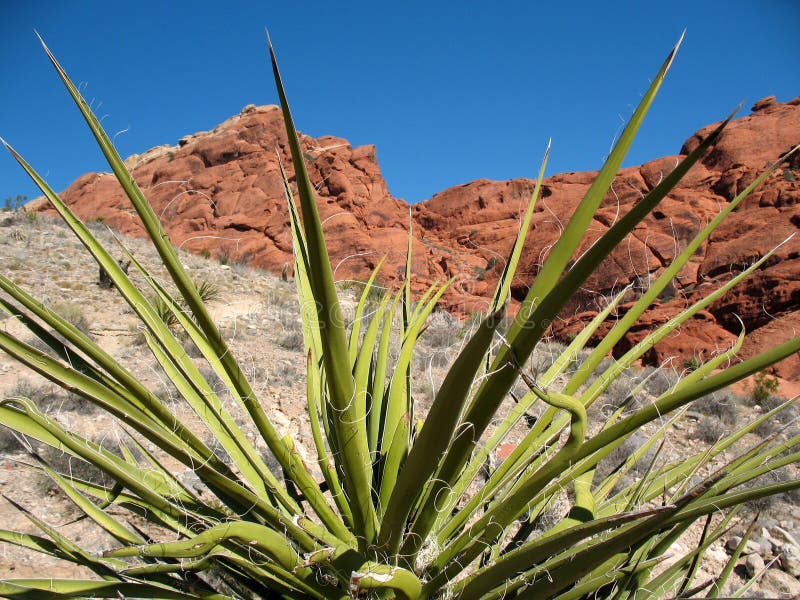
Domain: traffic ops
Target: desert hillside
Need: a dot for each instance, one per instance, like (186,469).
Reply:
(220,192)
(257,313)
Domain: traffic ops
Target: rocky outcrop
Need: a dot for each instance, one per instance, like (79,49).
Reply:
(221,192)
(481,218)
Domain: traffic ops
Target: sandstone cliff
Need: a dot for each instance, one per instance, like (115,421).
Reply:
(221,191)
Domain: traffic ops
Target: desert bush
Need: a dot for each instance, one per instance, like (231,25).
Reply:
(215,382)
(12,204)
(189,346)
(41,393)
(68,465)
(545,355)
(787,420)
(291,337)
(781,475)
(168,310)
(138,337)
(710,429)
(391,506)
(718,413)
(764,386)
(440,343)
(280,301)
(620,392)
(723,406)
(8,440)
(441,331)
(615,461)
(74,314)
(283,373)
(660,380)
(19,217)
(435,358)
(49,397)
(165,312)
(13,218)
(208,291)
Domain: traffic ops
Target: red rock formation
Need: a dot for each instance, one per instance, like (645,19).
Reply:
(221,191)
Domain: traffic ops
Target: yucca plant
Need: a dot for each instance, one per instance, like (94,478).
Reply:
(393,507)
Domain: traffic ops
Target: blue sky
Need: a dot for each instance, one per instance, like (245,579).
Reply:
(448,91)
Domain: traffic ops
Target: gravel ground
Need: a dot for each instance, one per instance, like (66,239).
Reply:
(256,311)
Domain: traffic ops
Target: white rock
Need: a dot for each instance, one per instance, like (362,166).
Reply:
(782,533)
(752,547)
(717,554)
(754,564)
(778,584)
(790,559)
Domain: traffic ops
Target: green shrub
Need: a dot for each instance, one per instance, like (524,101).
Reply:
(393,505)
(209,292)
(164,312)
(764,386)
(691,364)
(168,311)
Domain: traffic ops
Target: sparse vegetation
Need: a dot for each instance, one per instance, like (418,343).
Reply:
(292,336)
(207,291)
(711,429)
(74,314)
(723,406)
(14,203)
(8,440)
(659,381)
(283,374)
(692,364)
(764,386)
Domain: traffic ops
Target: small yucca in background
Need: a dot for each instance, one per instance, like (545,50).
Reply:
(394,511)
